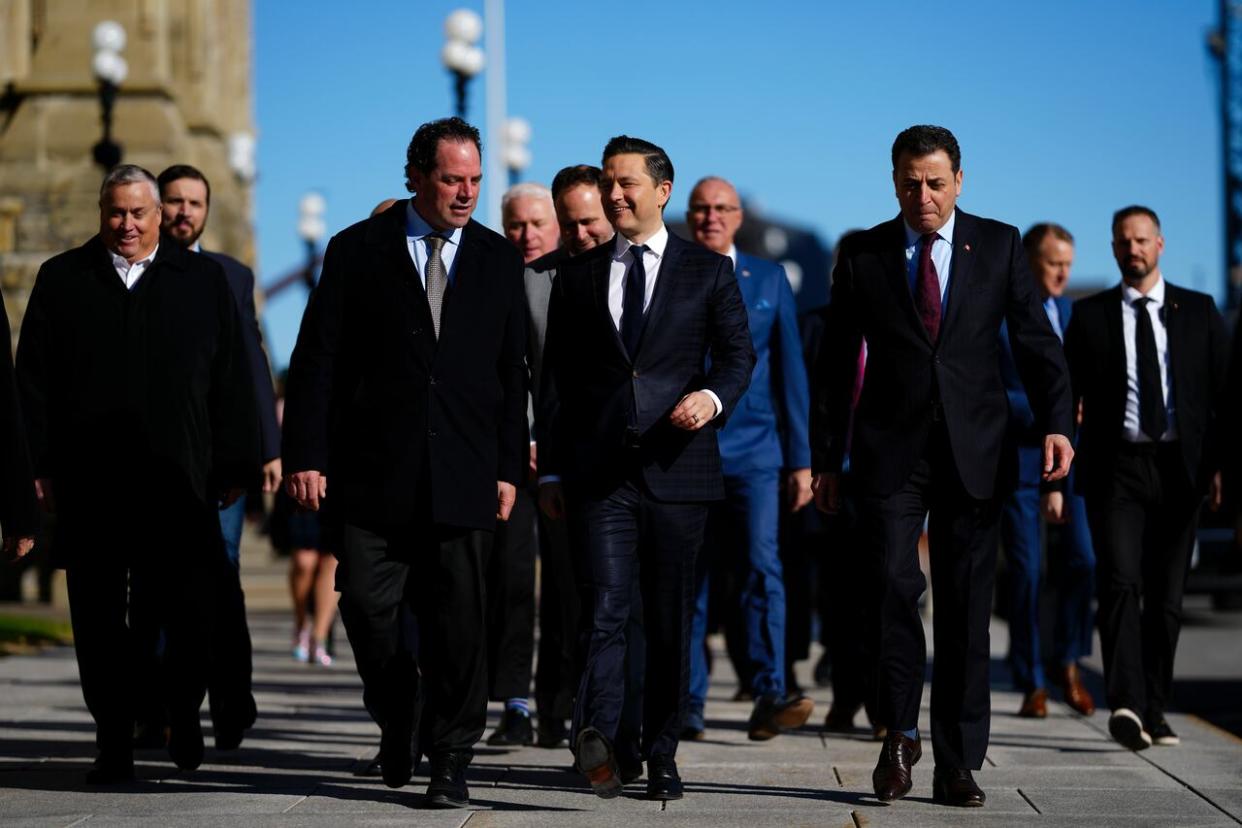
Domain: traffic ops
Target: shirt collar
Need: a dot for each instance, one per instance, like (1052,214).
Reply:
(1129,295)
(416,227)
(197,247)
(732,254)
(122,264)
(946,232)
(655,244)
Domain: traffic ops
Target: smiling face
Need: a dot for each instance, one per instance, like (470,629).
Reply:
(715,214)
(632,199)
(129,220)
(580,214)
(446,196)
(185,210)
(530,223)
(927,189)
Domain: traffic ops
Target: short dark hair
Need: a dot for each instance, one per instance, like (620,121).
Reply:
(178,171)
(421,153)
(573,176)
(924,139)
(1135,210)
(1034,237)
(659,167)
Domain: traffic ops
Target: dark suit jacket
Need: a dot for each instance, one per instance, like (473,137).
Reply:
(1026,438)
(989,281)
(241,282)
(141,387)
(19,516)
(396,419)
(1198,361)
(538,278)
(593,391)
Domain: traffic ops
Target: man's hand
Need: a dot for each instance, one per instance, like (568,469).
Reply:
(506,496)
(827,489)
(43,491)
(695,410)
(1052,504)
(1058,454)
(271,476)
(17,548)
(552,500)
(229,497)
(798,489)
(1215,494)
(534,457)
(307,487)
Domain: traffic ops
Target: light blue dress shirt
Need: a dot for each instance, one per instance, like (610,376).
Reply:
(942,257)
(416,232)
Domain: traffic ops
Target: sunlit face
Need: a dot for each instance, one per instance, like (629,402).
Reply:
(185,209)
(129,220)
(530,223)
(446,196)
(1137,245)
(715,214)
(1051,265)
(580,214)
(927,189)
(632,199)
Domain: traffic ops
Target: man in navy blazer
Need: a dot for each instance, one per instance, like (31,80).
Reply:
(766,434)
(1050,250)
(631,412)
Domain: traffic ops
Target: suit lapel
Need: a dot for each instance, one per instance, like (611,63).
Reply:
(1174,330)
(387,238)
(897,271)
(1115,332)
(669,273)
(965,241)
(600,266)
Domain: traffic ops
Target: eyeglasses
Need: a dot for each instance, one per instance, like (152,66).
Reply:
(705,209)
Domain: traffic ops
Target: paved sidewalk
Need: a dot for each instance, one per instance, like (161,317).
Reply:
(298,767)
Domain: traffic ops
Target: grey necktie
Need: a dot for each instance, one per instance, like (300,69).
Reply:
(437,279)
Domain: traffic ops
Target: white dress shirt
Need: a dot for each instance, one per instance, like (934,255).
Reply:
(416,232)
(1129,320)
(130,273)
(942,256)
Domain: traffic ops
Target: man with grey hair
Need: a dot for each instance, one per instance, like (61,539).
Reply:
(133,380)
(529,219)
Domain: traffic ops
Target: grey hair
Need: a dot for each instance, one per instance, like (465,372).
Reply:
(527,189)
(128,174)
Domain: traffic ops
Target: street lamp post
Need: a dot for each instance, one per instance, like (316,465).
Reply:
(110,70)
(517,148)
(461,54)
(311,228)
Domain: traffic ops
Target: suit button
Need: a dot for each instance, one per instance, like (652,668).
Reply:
(431,432)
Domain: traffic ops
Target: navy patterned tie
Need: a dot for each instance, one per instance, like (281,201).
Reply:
(632,301)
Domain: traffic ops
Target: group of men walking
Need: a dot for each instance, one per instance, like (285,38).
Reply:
(472,398)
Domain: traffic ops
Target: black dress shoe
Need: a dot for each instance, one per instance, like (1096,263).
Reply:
(550,732)
(111,769)
(185,741)
(630,770)
(514,730)
(773,716)
(371,768)
(596,761)
(957,788)
(663,781)
(447,788)
(396,753)
(1160,732)
(898,757)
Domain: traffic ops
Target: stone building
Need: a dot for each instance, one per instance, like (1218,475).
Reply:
(187,98)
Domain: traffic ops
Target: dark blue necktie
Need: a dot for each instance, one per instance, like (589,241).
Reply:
(1153,418)
(632,302)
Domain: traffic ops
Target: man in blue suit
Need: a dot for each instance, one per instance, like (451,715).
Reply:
(1050,250)
(766,435)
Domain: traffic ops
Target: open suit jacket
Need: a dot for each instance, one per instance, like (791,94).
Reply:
(768,430)
(1198,359)
(19,517)
(593,391)
(392,416)
(907,373)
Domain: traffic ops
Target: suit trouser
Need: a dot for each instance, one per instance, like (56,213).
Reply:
(511,602)
(229,693)
(963,536)
(844,574)
(749,515)
(1144,530)
(161,575)
(633,538)
(436,575)
(556,677)
(1071,567)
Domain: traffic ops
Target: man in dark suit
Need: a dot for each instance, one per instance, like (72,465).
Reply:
(185,195)
(928,290)
(19,515)
(1050,251)
(1149,361)
(765,437)
(141,424)
(629,327)
(407,389)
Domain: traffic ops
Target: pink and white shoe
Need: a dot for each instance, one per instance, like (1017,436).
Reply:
(321,656)
(301,646)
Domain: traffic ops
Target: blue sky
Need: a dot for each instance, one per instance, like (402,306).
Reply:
(1064,110)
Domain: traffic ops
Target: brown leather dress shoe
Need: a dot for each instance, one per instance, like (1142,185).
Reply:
(956,788)
(899,755)
(1034,704)
(1076,695)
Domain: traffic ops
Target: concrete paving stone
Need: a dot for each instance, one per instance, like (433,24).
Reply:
(680,818)
(1227,799)
(52,821)
(427,819)
(1074,802)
